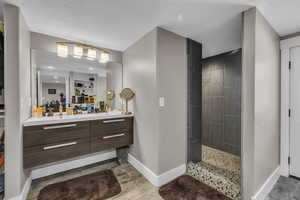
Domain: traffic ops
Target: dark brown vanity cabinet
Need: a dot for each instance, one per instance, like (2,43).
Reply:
(111,133)
(51,143)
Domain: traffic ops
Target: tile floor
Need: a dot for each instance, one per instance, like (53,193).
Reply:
(134,185)
(285,189)
(221,159)
(219,170)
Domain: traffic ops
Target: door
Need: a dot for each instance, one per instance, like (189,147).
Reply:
(295,112)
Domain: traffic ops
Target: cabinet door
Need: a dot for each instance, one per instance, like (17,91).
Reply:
(48,134)
(111,133)
(44,154)
(110,126)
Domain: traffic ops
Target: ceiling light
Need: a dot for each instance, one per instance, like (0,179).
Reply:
(57,81)
(77,51)
(91,68)
(104,57)
(91,54)
(55,77)
(62,50)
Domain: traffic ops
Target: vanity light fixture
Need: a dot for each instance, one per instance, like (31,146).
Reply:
(62,50)
(104,57)
(77,51)
(83,51)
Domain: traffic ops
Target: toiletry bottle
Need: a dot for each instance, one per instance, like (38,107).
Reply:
(69,110)
(60,109)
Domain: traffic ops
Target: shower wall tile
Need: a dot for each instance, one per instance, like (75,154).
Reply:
(216,133)
(232,100)
(196,119)
(205,134)
(195,97)
(232,74)
(217,110)
(232,129)
(221,102)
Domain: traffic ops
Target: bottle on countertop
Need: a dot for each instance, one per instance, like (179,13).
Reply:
(60,109)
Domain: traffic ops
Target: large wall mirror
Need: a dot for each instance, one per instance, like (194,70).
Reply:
(74,82)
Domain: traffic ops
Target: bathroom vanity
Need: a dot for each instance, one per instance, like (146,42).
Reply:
(74,111)
(52,139)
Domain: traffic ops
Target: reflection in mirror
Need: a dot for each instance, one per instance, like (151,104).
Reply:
(62,84)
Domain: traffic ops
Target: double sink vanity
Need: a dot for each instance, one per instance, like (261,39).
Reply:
(51,139)
(76,107)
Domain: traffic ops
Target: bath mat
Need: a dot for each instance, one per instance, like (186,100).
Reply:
(96,186)
(187,188)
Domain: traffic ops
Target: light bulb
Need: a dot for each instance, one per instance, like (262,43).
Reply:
(62,50)
(104,57)
(77,52)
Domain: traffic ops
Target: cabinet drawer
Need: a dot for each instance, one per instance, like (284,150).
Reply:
(110,126)
(44,154)
(48,134)
(101,143)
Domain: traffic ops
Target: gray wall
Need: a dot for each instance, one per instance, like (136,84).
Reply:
(260,102)
(156,66)
(17,96)
(172,85)
(267,100)
(139,66)
(221,102)
(248,66)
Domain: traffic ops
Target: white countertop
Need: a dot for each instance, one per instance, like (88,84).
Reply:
(34,121)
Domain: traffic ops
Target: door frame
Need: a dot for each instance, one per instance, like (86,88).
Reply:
(286,46)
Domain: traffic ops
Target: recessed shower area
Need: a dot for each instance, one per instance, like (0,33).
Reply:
(214,118)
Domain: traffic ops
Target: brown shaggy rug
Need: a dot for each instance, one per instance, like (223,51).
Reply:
(187,188)
(96,186)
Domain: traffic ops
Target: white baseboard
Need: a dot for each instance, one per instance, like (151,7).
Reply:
(267,186)
(171,174)
(67,165)
(157,180)
(25,191)
(284,171)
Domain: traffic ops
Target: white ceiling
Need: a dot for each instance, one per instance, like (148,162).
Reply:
(283,15)
(117,24)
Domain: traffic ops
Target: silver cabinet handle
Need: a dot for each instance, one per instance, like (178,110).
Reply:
(59,126)
(113,136)
(59,146)
(113,121)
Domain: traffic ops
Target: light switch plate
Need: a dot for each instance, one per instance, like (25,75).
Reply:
(161,101)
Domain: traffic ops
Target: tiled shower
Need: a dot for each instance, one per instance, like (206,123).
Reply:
(221,102)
